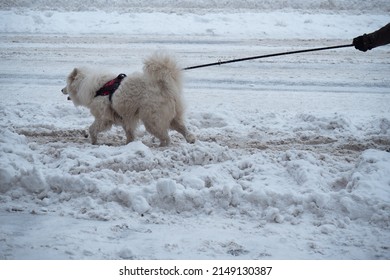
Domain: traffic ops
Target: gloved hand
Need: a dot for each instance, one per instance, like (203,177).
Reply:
(363,43)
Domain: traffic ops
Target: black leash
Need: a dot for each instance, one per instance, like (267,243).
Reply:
(265,56)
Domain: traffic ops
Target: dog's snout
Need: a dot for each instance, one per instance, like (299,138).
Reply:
(64,91)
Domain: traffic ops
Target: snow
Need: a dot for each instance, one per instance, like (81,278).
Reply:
(292,159)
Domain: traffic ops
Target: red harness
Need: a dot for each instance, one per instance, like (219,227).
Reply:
(110,87)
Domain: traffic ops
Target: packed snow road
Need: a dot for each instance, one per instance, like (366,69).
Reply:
(291,160)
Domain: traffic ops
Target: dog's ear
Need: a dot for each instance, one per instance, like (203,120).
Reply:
(73,75)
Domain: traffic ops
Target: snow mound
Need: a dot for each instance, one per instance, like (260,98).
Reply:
(98,181)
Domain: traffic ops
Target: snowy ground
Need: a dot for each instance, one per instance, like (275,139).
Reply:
(292,156)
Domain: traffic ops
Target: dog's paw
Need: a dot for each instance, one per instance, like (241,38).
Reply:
(165,142)
(191,138)
(93,140)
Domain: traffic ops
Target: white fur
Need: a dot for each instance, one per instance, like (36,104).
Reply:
(153,97)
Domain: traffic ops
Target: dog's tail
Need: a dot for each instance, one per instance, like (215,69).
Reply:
(164,71)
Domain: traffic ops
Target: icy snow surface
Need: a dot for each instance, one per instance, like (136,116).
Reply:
(292,159)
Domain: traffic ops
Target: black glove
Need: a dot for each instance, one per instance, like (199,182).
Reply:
(363,43)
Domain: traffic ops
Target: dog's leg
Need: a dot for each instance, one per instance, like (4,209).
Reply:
(129,136)
(178,125)
(165,140)
(96,127)
(129,128)
(159,132)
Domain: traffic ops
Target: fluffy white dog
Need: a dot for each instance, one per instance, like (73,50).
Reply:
(153,97)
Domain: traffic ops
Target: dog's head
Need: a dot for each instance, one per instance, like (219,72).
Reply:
(73,86)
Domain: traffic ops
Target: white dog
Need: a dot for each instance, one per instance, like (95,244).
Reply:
(154,97)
